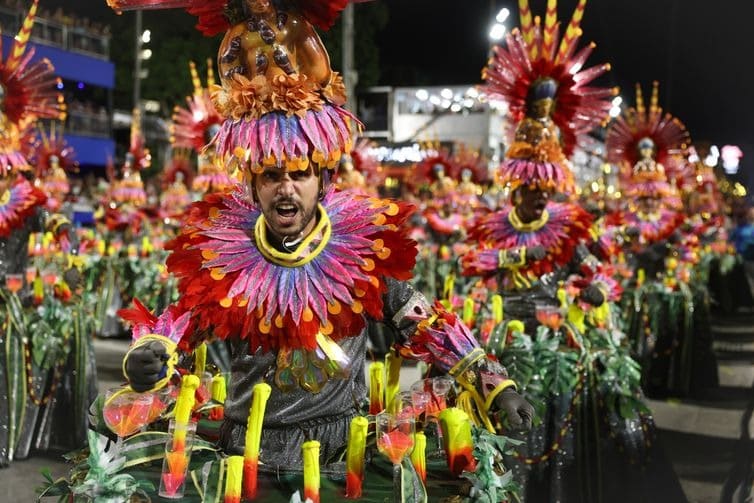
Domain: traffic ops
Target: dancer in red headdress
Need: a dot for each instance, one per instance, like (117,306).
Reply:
(595,440)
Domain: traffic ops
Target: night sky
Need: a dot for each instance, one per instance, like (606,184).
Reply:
(701,52)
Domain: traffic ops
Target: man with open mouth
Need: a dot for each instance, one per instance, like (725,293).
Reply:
(288,269)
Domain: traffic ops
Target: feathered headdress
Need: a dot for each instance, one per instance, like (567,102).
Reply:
(648,146)
(436,159)
(194,127)
(465,158)
(140,158)
(281,101)
(367,164)
(549,96)
(180,162)
(50,149)
(27,92)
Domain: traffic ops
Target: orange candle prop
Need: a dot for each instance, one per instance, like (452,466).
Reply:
(234,477)
(456,435)
(259,396)
(311,470)
(218,395)
(357,438)
(418,458)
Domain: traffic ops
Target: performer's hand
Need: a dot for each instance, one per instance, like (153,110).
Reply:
(145,365)
(592,295)
(536,253)
(518,411)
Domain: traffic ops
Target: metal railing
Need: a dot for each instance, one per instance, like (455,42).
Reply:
(49,32)
(87,124)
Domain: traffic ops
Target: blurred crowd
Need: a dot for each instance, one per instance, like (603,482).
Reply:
(60,28)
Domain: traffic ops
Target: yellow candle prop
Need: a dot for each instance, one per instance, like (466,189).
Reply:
(218,388)
(183,406)
(311,470)
(456,437)
(497,308)
(376,388)
(357,439)
(38,289)
(393,364)
(640,277)
(200,360)
(233,479)
(259,396)
(146,245)
(448,286)
(468,311)
(418,458)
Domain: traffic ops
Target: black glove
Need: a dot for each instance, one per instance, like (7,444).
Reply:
(518,411)
(536,253)
(145,365)
(592,295)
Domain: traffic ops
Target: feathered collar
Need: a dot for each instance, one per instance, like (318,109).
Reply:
(562,226)
(17,203)
(234,290)
(653,227)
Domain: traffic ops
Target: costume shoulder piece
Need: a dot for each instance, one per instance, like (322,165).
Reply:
(540,75)
(238,285)
(561,227)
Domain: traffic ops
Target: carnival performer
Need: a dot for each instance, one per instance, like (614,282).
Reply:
(288,268)
(360,171)
(52,158)
(471,172)
(595,440)
(194,127)
(642,142)
(176,197)
(126,198)
(535,243)
(41,407)
(444,223)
